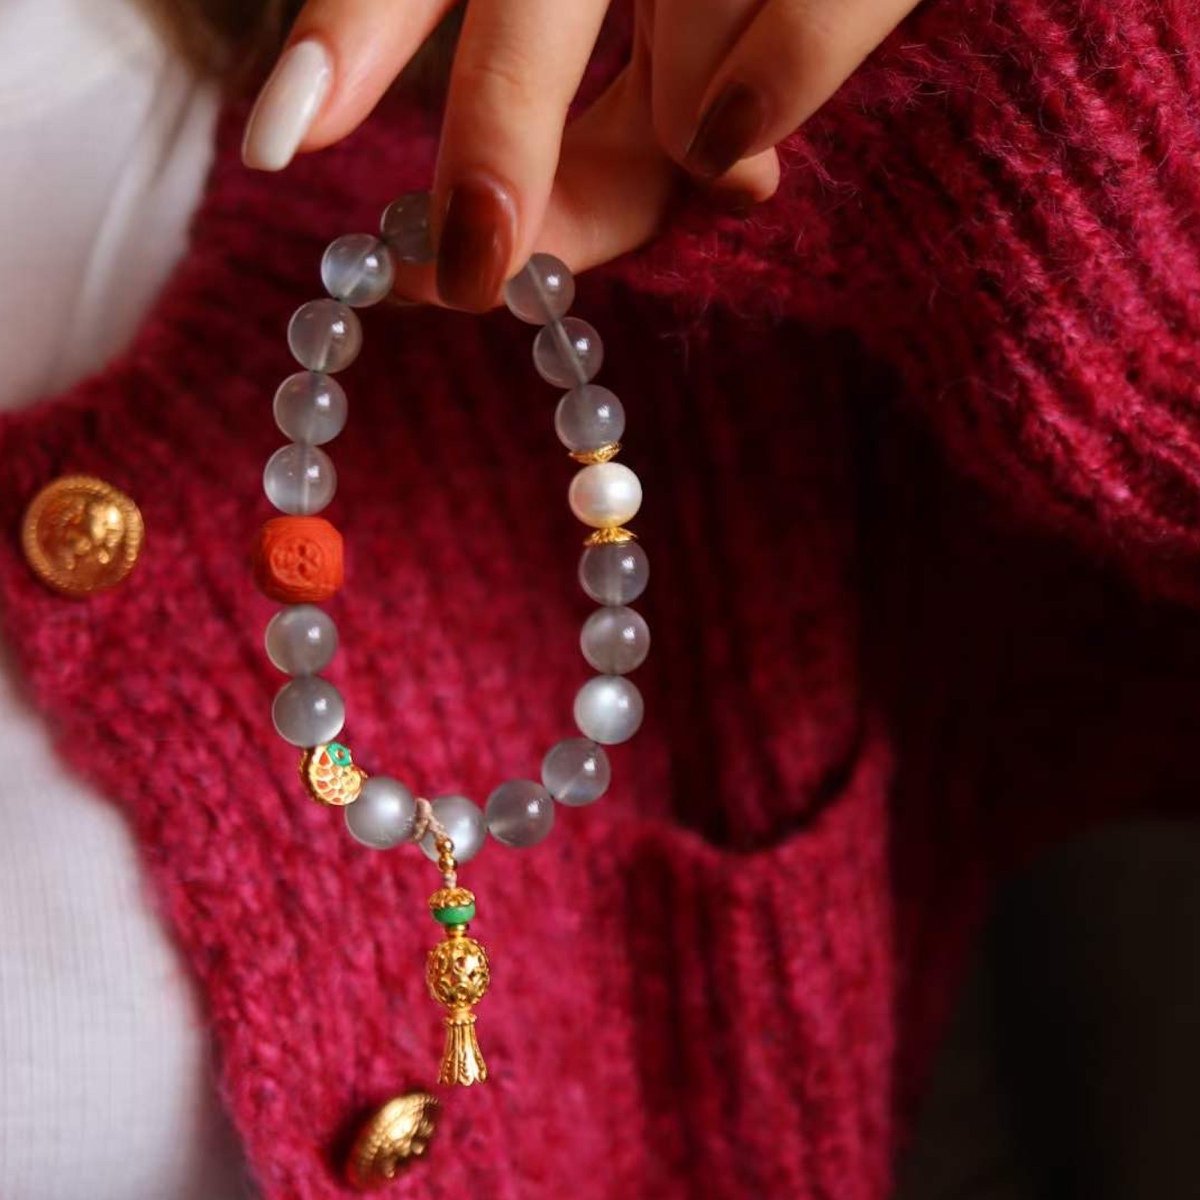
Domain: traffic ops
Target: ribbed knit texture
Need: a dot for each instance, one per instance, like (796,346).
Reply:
(920,449)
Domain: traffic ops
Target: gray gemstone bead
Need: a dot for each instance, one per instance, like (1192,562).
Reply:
(615,639)
(357,269)
(301,639)
(614,574)
(464,825)
(576,771)
(384,815)
(568,352)
(310,407)
(542,291)
(299,480)
(324,335)
(588,417)
(608,709)
(405,228)
(308,711)
(520,813)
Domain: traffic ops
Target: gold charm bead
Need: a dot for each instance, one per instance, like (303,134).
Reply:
(616,535)
(457,973)
(330,776)
(392,1140)
(601,454)
(80,535)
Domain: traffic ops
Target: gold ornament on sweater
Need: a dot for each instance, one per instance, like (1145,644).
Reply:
(392,1140)
(457,973)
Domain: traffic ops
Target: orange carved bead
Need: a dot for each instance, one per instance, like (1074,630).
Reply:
(298,560)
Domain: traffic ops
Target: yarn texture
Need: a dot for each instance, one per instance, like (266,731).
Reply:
(921,451)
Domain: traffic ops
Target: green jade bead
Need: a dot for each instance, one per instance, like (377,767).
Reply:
(458,914)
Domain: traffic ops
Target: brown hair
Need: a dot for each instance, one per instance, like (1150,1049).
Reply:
(225,37)
(235,39)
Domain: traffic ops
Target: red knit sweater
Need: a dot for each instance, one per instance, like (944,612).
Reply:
(921,453)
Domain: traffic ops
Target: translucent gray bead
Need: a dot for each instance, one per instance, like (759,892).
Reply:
(357,269)
(324,335)
(588,417)
(308,711)
(614,574)
(576,771)
(310,408)
(520,813)
(301,639)
(542,291)
(299,479)
(464,825)
(608,709)
(405,228)
(384,815)
(615,639)
(567,352)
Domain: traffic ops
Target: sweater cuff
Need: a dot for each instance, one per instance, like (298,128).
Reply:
(1002,206)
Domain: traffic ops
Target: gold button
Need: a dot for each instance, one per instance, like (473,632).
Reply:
(81,535)
(393,1139)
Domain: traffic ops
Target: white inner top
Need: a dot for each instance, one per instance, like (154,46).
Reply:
(106,1086)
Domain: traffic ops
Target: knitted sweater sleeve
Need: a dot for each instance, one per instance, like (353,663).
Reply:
(1002,205)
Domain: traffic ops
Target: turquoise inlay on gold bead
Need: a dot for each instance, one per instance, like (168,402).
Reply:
(339,755)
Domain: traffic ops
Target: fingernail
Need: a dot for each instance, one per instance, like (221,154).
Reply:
(286,106)
(475,243)
(726,131)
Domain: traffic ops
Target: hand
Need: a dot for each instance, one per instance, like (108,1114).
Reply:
(710,89)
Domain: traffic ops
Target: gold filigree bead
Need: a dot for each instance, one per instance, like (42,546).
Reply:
(616,535)
(392,1140)
(457,973)
(330,775)
(601,454)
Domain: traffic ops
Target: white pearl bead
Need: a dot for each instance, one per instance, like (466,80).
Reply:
(605,495)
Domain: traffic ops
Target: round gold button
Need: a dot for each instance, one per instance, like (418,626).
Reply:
(393,1139)
(81,535)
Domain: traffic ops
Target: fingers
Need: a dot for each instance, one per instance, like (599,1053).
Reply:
(690,39)
(517,68)
(341,56)
(612,186)
(614,183)
(790,59)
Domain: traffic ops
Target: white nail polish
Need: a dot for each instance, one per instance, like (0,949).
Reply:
(286,106)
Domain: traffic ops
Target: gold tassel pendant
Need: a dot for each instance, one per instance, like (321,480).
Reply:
(462,1061)
(458,973)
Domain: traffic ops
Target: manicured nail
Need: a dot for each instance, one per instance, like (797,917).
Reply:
(286,106)
(727,130)
(475,243)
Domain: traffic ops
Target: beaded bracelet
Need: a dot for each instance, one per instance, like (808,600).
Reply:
(298,562)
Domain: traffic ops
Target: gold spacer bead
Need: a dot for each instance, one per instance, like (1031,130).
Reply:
(601,454)
(455,897)
(617,535)
(445,849)
(392,1140)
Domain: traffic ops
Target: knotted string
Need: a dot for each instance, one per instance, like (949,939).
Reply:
(426,822)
